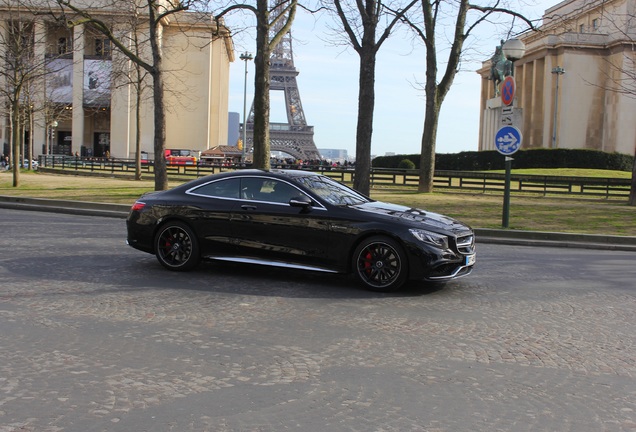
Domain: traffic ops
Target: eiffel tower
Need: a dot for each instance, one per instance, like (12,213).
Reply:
(294,137)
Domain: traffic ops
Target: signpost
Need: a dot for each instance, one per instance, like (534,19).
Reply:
(507,141)
(508,138)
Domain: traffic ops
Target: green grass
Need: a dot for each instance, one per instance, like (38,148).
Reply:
(527,212)
(559,214)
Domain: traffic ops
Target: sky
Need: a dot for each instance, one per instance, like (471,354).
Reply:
(328,87)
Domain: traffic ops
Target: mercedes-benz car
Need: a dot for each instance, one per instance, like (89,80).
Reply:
(299,219)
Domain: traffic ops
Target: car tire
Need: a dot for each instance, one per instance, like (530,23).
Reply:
(380,264)
(176,247)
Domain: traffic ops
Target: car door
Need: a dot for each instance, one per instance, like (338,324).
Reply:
(214,203)
(267,227)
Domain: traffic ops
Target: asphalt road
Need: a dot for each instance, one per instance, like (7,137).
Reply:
(95,336)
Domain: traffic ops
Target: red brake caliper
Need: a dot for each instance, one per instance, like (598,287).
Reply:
(367,264)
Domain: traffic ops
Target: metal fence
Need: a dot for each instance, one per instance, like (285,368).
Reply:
(458,180)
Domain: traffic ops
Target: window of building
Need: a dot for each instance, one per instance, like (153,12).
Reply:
(595,24)
(102,47)
(20,42)
(63,45)
(582,28)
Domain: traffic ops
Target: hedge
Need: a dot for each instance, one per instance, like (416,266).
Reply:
(534,158)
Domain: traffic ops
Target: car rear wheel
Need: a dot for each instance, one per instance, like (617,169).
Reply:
(176,247)
(380,264)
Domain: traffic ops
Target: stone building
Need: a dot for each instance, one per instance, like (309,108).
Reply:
(85,103)
(571,81)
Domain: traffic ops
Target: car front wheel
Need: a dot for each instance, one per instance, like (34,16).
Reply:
(380,264)
(176,247)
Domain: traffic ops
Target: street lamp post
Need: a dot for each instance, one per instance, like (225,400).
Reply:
(245,57)
(557,71)
(49,137)
(513,49)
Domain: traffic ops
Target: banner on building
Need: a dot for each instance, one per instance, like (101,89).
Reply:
(97,82)
(59,81)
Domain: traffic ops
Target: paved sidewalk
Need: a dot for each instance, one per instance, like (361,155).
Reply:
(484,235)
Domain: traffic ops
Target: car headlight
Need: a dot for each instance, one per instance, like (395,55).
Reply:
(431,238)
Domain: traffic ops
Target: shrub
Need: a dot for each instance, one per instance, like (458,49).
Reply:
(406,164)
(533,158)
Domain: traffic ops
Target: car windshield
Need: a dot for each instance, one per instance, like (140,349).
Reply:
(331,191)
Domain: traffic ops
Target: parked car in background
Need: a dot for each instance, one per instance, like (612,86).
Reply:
(181,157)
(299,219)
(34,164)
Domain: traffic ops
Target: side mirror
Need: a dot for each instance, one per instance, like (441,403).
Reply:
(302,201)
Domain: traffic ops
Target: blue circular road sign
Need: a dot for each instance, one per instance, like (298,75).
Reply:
(508,140)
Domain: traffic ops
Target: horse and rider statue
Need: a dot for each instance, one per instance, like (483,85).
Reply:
(500,67)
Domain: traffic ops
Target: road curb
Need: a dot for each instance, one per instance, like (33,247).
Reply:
(483,235)
(65,206)
(556,239)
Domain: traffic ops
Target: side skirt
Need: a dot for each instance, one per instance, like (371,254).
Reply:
(247,260)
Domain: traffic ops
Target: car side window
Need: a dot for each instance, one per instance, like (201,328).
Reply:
(220,189)
(281,192)
(268,190)
(251,188)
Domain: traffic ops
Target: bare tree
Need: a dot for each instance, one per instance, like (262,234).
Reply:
(621,76)
(156,12)
(130,73)
(360,21)
(272,23)
(434,14)
(21,70)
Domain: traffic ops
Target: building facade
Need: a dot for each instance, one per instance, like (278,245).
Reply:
(83,100)
(575,82)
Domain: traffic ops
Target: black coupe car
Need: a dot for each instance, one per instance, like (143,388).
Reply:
(299,219)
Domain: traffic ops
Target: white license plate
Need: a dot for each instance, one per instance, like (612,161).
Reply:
(470,259)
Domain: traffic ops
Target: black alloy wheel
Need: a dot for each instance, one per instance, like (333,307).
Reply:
(380,264)
(176,247)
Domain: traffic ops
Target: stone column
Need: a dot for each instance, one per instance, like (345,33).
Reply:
(79,41)
(39,96)
(4,119)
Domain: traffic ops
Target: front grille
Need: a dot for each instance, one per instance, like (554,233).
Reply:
(444,270)
(466,244)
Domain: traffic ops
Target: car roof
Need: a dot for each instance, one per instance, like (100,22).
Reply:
(275,173)
(271,173)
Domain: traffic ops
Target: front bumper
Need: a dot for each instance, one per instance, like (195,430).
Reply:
(433,264)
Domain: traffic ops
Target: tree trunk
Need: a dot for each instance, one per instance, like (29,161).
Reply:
(138,128)
(15,129)
(632,192)
(364,131)
(260,140)
(431,120)
(161,174)
(427,158)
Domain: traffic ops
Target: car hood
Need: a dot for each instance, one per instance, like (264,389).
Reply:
(414,217)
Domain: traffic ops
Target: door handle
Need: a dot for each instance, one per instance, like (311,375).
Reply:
(248,207)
